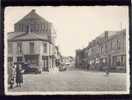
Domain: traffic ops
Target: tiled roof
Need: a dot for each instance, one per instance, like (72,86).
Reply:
(33,16)
(29,36)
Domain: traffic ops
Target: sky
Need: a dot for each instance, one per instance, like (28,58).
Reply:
(75,26)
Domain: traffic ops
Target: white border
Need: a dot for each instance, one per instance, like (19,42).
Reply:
(69,92)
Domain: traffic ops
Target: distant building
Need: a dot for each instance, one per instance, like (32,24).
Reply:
(33,41)
(79,58)
(107,50)
(67,60)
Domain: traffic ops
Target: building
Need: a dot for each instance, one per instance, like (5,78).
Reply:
(33,41)
(79,58)
(68,60)
(106,50)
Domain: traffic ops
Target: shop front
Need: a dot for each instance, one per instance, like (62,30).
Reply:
(32,59)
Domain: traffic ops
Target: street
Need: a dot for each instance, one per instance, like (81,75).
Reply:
(73,80)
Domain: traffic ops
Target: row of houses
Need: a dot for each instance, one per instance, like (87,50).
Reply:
(106,51)
(33,41)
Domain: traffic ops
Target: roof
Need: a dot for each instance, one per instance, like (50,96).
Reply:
(113,33)
(32,16)
(14,34)
(101,38)
(29,36)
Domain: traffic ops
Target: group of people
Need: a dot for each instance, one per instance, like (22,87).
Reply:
(15,73)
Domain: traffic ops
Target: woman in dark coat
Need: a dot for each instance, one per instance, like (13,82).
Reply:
(11,78)
(19,75)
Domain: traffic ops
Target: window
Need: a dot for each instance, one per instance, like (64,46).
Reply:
(118,44)
(43,27)
(118,62)
(101,49)
(22,27)
(46,28)
(31,28)
(36,28)
(123,60)
(114,60)
(10,47)
(31,47)
(45,48)
(32,59)
(19,29)
(19,47)
(19,59)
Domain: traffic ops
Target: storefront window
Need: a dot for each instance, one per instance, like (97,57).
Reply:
(103,60)
(19,59)
(97,60)
(114,60)
(31,59)
(118,60)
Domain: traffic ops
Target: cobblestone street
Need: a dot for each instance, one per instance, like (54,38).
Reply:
(74,80)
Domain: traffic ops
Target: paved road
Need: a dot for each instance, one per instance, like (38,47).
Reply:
(73,81)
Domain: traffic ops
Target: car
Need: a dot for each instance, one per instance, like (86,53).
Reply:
(31,69)
(62,68)
(28,68)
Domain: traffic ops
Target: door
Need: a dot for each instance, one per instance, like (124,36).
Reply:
(19,59)
(45,63)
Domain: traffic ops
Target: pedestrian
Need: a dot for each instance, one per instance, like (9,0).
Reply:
(107,71)
(19,75)
(11,76)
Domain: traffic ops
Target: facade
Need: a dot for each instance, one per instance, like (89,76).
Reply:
(79,58)
(106,51)
(33,41)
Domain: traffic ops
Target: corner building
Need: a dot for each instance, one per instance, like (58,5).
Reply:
(33,41)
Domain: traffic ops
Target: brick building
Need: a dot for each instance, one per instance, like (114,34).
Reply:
(33,41)
(106,50)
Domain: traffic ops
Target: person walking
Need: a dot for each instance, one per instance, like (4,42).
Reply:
(19,75)
(107,71)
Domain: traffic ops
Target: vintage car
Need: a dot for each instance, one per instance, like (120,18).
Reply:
(62,68)
(28,68)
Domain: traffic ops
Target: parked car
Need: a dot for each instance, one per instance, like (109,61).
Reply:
(62,68)
(31,69)
(28,68)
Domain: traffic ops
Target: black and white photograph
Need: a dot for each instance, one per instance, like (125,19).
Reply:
(66,50)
